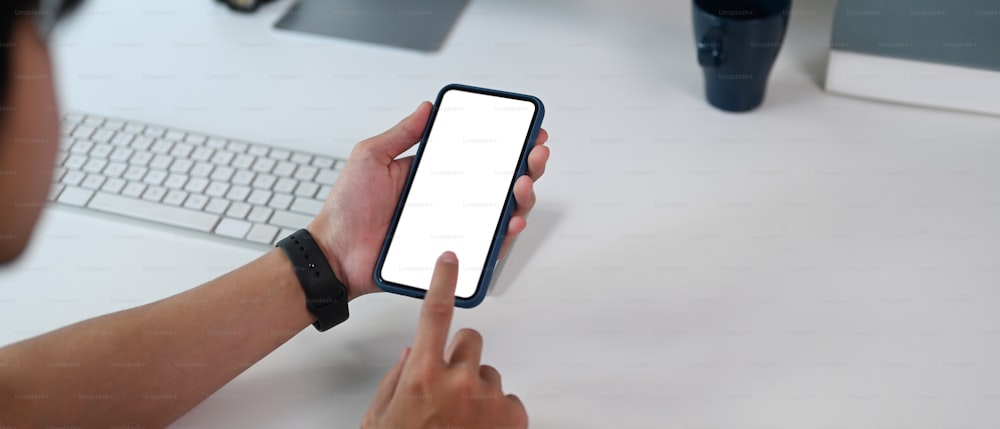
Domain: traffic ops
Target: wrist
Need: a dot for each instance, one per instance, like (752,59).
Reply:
(326,296)
(333,255)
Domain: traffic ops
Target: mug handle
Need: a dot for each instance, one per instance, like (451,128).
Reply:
(710,48)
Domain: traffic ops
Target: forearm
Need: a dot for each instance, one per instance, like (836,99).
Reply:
(149,365)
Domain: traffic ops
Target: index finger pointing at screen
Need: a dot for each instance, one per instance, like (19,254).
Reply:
(438,307)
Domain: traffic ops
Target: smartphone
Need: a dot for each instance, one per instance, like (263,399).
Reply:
(459,193)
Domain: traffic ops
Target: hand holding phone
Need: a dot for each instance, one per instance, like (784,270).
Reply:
(458,196)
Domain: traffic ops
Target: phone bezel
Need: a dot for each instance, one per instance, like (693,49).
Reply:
(500,230)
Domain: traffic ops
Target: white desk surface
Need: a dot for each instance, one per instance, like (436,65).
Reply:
(823,262)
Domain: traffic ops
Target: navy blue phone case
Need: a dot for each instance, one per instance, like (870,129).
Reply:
(494,253)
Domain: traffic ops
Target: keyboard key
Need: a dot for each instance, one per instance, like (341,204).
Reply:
(121,154)
(289,219)
(324,192)
(199,154)
(175,197)
(262,234)
(160,162)
(279,154)
(92,181)
(154,193)
(113,185)
(307,206)
(142,142)
(140,158)
(55,190)
(217,189)
(73,117)
(115,169)
(201,169)
(102,135)
(306,189)
(264,165)
(162,146)
(237,146)
(81,147)
(327,177)
(302,158)
(305,173)
(264,181)
(75,196)
(258,151)
(197,185)
(114,124)
(195,139)
(155,177)
(66,129)
(122,139)
(174,135)
(217,205)
(286,185)
(238,210)
(259,197)
(175,181)
(281,201)
(259,214)
(181,166)
(75,162)
(222,157)
(322,162)
(184,150)
(133,189)
(196,202)
(95,165)
(134,173)
(243,177)
(73,177)
(339,166)
(238,193)
(101,150)
(284,169)
(232,228)
(156,212)
(134,128)
(242,162)
(284,232)
(223,174)
(154,131)
(216,143)
(82,132)
(93,121)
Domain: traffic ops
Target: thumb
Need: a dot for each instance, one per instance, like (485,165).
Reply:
(396,140)
(387,388)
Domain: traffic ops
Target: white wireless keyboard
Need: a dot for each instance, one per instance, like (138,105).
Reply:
(222,187)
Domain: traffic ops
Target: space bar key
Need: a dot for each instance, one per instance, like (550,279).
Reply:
(153,211)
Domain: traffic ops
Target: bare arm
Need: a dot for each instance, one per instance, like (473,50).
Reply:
(149,365)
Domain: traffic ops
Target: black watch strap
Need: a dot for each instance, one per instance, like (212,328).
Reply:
(326,295)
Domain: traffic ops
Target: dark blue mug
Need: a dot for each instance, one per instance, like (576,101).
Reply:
(738,41)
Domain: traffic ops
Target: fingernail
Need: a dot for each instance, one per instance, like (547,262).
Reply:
(403,354)
(449,258)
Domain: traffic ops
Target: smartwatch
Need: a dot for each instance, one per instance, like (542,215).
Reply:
(326,295)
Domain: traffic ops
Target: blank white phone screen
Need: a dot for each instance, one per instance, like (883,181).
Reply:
(458,192)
